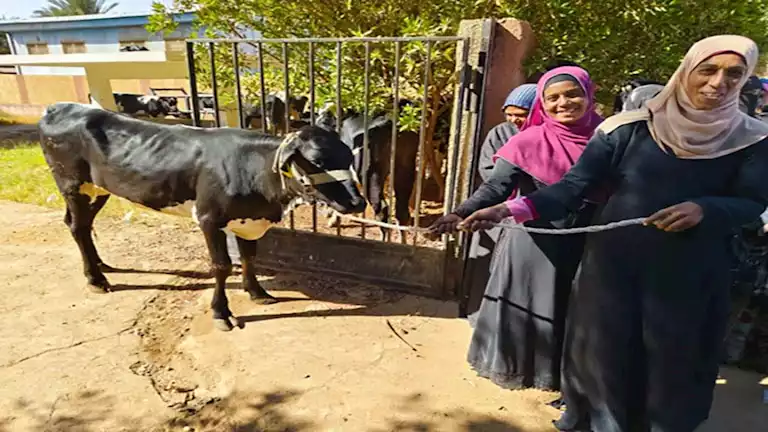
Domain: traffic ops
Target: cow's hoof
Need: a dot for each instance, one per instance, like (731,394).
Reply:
(227,324)
(262,300)
(99,288)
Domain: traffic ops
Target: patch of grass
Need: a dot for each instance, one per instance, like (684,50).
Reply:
(6,121)
(26,178)
(10,120)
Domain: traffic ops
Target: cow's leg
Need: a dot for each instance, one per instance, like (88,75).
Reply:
(96,206)
(79,219)
(222,268)
(375,195)
(405,177)
(333,218)
(248,249)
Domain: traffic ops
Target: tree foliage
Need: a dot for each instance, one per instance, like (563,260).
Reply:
(613,39)
(4,47)
(74,7)
(341,18)
(616,39)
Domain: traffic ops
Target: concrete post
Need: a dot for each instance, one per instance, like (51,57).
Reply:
(513,41)
(497,50)
(100,88)
(493,67)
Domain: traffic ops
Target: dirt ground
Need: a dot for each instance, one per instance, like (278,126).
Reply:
(145,357)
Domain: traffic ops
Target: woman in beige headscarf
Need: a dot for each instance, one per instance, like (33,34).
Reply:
(649,310)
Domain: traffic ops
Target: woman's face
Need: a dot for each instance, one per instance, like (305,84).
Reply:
(565,102)
(713,79)
(516,115)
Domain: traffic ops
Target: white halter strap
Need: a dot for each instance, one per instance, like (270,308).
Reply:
(293,171)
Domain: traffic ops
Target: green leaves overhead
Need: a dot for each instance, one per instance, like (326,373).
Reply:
(613,39)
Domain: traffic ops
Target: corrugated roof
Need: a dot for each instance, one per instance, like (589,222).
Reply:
(82,20)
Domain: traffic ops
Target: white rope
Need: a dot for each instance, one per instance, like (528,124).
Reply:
(510,225)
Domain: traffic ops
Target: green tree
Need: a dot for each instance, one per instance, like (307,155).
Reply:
(4,47)
(613,39)
(74,7)
(334,18)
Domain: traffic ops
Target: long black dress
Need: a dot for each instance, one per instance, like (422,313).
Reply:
(649,308)
(483,243)
(519,329)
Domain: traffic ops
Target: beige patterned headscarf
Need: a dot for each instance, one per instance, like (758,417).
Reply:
(697,134)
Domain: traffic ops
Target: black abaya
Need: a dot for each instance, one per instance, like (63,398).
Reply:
(520,326)
(649,309)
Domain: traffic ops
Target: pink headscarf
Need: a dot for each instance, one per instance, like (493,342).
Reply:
(546,149)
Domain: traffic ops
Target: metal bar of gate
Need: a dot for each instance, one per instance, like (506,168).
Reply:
(287,84)
(454,157)
(340,39)
(393,141)
(238,89)
(214,86)
(338,105)
(365,155)
(422,137)
(262,89)
(287,105)
(458,134)
(312,113)
(195,108)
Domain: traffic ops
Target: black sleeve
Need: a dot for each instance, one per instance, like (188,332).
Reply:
(496,138)
(555,202)
(750,196)
(499,186)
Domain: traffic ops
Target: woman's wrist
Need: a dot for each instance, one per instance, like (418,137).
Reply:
(520,209)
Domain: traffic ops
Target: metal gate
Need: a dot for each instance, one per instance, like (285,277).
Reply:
(432,270)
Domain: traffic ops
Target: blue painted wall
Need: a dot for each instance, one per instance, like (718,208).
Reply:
(100,34)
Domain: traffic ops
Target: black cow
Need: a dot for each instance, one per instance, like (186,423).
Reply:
(142,104)
(275,107)
(231,179)
(205,102)
(133,48)
(253,119)
(379,148)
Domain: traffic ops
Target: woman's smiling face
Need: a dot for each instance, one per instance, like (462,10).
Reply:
(565,102)
(713,79)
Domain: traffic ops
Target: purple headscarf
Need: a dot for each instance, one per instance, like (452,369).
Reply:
(546,149)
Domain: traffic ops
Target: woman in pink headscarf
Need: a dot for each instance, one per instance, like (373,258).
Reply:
(646,328)
(520,325)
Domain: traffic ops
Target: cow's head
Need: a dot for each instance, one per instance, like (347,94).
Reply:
(321,163)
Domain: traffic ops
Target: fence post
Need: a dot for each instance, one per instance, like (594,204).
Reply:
(492,67)
(513,41)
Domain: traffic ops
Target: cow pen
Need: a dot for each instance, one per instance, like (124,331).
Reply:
(406,262)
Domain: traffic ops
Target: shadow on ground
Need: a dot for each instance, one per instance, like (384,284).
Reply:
(91,411)
(370,300)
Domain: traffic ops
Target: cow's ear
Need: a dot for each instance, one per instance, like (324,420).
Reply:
(288,149)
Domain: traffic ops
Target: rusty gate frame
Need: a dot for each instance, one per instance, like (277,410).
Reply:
(429,272)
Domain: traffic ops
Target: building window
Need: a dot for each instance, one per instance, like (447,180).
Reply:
(73,47)
(37,48)
(175,45)
(133,45)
